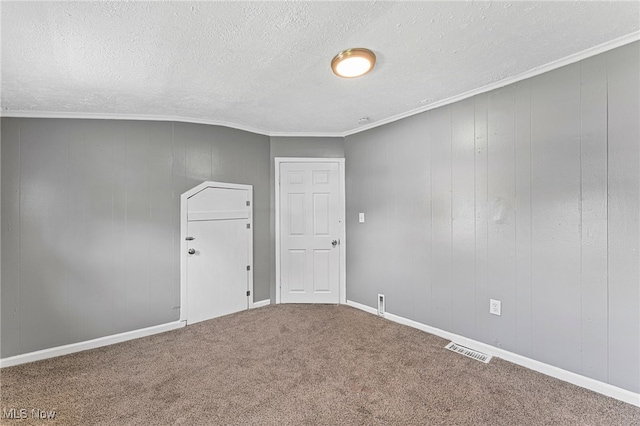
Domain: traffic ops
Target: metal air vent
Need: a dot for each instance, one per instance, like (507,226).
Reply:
(478,356)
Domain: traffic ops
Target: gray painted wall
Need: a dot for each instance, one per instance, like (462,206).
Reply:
(90,222)
(301,147)
(528,194)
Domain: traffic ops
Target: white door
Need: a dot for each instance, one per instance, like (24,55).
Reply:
(218,244)
(310,206)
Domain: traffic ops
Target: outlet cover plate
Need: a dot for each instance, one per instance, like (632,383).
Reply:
(360,217)
(381,305)
(495,307)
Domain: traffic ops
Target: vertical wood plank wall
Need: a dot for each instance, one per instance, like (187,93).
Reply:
(90,216)
(528,194)
(624,214)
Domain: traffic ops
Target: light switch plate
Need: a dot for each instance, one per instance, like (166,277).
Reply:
(361,217)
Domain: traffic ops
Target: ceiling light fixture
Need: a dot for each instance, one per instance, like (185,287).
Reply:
(353,63)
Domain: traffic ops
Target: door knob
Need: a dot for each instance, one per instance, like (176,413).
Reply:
(334,243)
(192,251)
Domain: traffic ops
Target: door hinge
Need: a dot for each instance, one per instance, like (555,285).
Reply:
(248,267)
(248,293)
(248,203)
(248,226)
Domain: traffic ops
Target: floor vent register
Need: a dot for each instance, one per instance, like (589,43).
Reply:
(478,356)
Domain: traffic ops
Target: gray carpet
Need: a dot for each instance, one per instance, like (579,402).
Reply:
(298,365)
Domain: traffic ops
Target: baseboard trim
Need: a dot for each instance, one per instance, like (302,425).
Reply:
(89,344)
(261,303)
(362,307)
(567,376)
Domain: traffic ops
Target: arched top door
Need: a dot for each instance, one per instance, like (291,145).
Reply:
(216,250)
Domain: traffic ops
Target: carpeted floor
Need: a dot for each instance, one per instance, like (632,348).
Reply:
(297,365)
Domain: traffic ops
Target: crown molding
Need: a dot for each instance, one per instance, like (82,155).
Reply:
(587,53)
(172,118)
(307,134)
(568,60)
(133,117)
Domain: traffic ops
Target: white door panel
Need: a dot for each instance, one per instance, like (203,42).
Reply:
(217,269)
(219,253)
(309,224)
(219,200)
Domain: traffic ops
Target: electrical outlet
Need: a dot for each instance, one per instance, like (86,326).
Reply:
(361,217)
(495,307)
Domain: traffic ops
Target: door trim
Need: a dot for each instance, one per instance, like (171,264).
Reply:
(183,233)
(343,235)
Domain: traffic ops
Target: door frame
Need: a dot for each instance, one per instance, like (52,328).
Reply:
(183,234)
(342,215)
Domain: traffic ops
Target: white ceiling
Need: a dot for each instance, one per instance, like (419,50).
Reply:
(265,66)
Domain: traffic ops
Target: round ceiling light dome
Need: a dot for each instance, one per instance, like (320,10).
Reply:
(352,63)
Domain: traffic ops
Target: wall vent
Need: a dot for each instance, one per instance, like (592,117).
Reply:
(478,356)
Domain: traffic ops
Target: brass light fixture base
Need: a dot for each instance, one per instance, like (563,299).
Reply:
(358,56)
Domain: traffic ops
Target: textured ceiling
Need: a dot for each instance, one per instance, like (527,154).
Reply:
(266,65)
